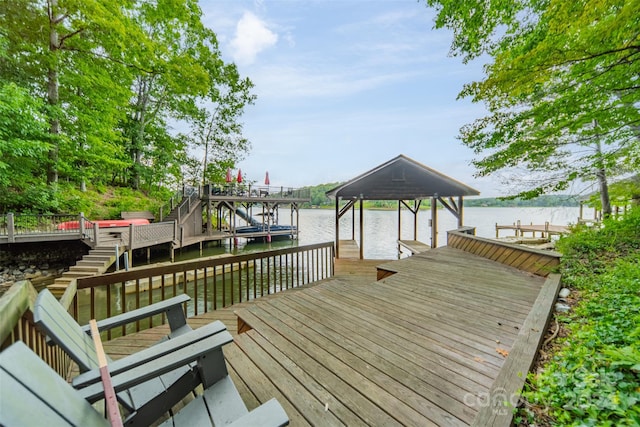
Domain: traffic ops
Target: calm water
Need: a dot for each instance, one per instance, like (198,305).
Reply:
(381,227)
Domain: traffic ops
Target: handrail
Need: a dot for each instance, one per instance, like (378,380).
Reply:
(16,324)
(212,283)
(16,227)
(234,278)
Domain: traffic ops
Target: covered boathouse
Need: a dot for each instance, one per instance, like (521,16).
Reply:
(405,180)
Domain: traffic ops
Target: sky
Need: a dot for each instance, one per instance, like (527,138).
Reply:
(345,85)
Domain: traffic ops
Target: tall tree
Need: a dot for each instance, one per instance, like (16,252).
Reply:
(69,53)
(188,78)
(561,90)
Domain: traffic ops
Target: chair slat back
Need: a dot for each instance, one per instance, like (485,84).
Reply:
(34,394)
(57,323)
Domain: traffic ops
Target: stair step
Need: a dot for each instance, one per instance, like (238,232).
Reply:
(104,258)
(92,263)
(76,274)
(87,268)
(102,252)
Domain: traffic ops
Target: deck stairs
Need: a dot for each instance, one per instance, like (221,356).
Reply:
(101,257)
(96,262)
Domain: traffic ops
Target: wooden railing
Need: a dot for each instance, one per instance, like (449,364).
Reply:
(141,236)
(212,283)
(535,261)
(16,324)
(37,227)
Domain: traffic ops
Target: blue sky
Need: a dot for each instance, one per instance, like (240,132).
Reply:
(345,85)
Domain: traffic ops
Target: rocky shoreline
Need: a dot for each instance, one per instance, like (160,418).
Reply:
(40,275)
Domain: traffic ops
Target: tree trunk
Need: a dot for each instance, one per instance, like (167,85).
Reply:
(601,176)
(53,96)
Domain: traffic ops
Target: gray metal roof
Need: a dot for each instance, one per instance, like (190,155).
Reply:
(401,178)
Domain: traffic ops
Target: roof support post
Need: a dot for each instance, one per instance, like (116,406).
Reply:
(434,221)
(361,229)
(416,208)
(337,228)
(399,226)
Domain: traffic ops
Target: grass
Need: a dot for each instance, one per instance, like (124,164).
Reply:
(593,375)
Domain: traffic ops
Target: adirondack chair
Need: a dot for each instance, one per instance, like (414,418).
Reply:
(157,395)
(33,394)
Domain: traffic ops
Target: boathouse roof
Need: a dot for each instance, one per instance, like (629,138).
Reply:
(401,178)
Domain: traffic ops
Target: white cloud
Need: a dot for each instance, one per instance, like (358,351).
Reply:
(252,37)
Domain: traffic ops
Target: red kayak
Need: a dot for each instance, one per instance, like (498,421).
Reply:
(103,223)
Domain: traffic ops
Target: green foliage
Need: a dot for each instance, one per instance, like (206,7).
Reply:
(594,376)
(561,89)
(88,90)
(23,137)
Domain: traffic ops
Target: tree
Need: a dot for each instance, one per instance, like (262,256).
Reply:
(113,77)
(188,85)
(218,131)
(561,90)
(69,53)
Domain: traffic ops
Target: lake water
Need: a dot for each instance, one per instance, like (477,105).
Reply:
(381,227)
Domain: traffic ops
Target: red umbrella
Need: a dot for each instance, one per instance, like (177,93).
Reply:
(239,176)
(228,178)
(266,179)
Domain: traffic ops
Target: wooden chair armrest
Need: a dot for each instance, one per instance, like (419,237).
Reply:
(166,348)
(269,413)
(132,376)
(172,307)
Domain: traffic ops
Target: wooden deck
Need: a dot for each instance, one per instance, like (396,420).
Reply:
(414,246)
(423,346)
(545,230)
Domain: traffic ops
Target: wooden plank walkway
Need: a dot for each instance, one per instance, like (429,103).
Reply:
(422,346)
(349,249)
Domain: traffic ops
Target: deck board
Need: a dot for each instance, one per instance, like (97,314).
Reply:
(415,348)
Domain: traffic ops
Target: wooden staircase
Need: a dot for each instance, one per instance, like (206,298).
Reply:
(97,261)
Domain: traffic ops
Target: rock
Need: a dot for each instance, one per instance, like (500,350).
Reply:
(562,308)
(564,292)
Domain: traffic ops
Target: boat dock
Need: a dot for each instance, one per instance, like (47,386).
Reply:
(432,342)
(546,230)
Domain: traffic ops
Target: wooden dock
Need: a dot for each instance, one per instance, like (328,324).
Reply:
(425,345)
(545,230)
(414,246)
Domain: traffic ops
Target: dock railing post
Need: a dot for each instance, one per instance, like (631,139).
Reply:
(130,248)
(11,228)
(96,234)
(81,225)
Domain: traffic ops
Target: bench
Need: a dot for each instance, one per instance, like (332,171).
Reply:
(39,396)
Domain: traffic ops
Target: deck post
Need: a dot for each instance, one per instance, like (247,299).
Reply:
(434,221)
(361,229)
(130,245)
(460,211)
(337,227)
(416,206)
(353,222)
(81,225)
(399,227)
(11,228)
(96,234)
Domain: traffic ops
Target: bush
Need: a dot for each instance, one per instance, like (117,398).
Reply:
(594,376)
